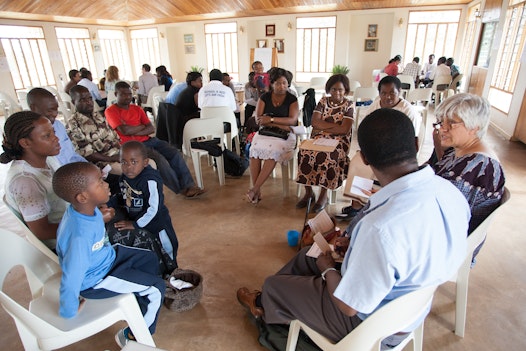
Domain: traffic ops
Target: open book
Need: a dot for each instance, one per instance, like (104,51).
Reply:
(322,246)
(320,144)
(322,223)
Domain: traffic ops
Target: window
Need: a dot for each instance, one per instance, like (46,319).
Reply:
(145,47)
(221,48)
(75,48)
(27,56)
(511,47)
(114,51)
(431,32)
(315,43)
(469,41)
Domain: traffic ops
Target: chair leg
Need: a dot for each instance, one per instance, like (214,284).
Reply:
(135,320)
(220,170)
(332,196)
(294,332)
(196,160)
(462,299)
(285,178)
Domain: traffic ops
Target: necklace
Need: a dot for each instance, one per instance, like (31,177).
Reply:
(335,103)
(277,101)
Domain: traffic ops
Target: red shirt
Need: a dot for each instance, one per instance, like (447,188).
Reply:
(391,69)
(133,116)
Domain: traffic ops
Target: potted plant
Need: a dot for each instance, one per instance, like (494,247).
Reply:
(340,69)
(196,69)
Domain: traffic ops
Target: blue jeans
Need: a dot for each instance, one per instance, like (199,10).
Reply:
(171,165)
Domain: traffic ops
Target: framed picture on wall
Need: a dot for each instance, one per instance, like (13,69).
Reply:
(189,49)
(279,44)
(188,38)
(372,31)
(261,43)
(371,45)
(270,30)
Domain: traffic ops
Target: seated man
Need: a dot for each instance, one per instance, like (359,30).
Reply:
(131,123)
(86,81)
(412,235)
(74,78)
(44,103)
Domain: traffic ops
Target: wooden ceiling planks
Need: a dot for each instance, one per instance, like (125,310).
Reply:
(139,12)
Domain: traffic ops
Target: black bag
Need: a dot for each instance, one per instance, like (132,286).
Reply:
(309,104)
(234,165)
(143,239)
(212,146)
(274,132)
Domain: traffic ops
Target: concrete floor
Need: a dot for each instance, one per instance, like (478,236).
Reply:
(233,243)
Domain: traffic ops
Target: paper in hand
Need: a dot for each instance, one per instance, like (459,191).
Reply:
(361,186)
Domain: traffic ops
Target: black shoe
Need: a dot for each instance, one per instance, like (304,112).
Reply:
(305,201)
(318,208)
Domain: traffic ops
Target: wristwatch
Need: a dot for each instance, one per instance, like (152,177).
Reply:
(326,271)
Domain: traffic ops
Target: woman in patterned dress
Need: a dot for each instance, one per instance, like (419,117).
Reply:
(464,158)
(332,119)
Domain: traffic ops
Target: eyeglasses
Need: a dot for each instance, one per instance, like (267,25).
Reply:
(446,125)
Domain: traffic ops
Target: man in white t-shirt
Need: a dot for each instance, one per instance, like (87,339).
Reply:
(147,81)
(216,94)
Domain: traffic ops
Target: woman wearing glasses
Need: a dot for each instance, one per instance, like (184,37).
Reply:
(464,158)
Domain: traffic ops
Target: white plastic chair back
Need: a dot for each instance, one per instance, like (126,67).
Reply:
(207,128)
(8,104)
(353,84)
(453,84)
(440,86)
(462,277)
(406,80)
(111,98)
(318,83)
(388,320)
(226,115)
(415,97)
(40,327)
(363,94)
(157,89)
(158,97)
(22,99)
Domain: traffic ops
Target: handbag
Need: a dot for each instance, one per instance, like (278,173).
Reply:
(274,132)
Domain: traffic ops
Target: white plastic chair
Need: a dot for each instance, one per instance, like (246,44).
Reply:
(440,86)
(453,85)
(423,96)
(22,99)
(111,98)
(363,94)
(158,97)
(40,327)
(149,101)
(388,320)
(353,84)
(28,234)
(8,105)
(406,80)
(204,127)
(225,114)
(318,83)
(462,276)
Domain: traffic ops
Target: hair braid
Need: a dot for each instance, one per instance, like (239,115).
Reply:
(17,126)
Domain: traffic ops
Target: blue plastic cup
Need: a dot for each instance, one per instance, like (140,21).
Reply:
(292,237)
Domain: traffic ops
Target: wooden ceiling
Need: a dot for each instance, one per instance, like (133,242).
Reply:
(140,12)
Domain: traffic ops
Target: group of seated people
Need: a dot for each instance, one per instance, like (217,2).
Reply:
(423,76)
(443,200)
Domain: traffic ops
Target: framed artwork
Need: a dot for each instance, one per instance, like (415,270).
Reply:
(371,45)
(372,31)
(188,38)
(189,49)
(279,44)
(261,43)
(270,30)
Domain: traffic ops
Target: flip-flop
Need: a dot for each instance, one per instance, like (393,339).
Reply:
(194,193)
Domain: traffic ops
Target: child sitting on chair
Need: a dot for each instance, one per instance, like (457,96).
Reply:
(91,268)
(143,198)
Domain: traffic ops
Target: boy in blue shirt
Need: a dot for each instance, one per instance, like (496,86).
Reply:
(91,268)
(143,198)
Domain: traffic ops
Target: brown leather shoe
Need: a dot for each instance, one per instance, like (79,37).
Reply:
(247,299)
